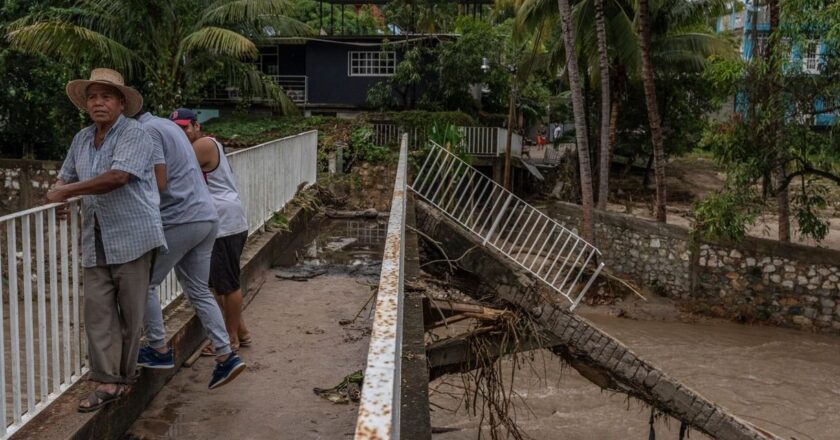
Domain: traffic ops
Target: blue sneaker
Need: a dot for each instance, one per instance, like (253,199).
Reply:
(151,358)
(226,371)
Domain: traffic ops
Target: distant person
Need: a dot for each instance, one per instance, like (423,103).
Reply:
(558,133)
(110,164)
(233,227)
(190,224)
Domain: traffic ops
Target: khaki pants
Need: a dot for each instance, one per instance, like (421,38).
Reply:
(115,299)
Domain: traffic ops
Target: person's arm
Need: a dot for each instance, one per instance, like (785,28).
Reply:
(160,176)
(101,184)
(132,157)
(206,153)
(158,156)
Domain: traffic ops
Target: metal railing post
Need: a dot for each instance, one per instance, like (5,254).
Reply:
(497,220)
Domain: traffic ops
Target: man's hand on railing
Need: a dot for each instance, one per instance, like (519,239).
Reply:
(56,195)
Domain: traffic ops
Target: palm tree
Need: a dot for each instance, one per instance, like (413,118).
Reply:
(579,110)
(652,110)
(680,41)
(172,48)
(604,69)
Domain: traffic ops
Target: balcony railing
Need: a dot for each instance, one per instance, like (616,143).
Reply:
(295,86)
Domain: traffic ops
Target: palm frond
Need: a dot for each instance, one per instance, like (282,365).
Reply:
(68,42)
(219,41)
(282,26)
(701,44)
(257,84)
(244,11)
(531,14)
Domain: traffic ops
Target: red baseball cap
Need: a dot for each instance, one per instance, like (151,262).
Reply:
(183,117)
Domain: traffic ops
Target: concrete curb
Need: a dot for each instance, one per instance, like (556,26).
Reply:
(61,420)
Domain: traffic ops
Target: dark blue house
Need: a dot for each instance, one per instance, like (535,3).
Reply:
(331,73)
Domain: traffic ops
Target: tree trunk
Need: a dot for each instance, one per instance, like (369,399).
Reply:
(653,111)
(604,67)
(613,127)
(580,119)
(774,99)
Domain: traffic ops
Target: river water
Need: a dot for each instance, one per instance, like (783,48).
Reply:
(785,381)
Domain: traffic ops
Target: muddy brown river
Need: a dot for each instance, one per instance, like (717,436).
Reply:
(785,381)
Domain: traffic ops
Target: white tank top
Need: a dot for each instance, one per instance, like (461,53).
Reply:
(222,186)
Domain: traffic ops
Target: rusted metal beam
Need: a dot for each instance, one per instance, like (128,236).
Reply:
(379,409)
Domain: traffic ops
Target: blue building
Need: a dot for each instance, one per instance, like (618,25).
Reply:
(739,23)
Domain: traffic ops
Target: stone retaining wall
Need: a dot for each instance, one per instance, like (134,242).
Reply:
(25,183)
(785,284)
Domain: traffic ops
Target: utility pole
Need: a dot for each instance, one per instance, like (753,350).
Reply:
(511,117)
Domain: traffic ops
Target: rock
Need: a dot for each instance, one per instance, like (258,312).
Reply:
(750,262)
(776,278)
(787,284)
(809,312)
(802,321)
(735,254)
(654,243)
(789,301)
(824,271)
(827,302)
(802,281)
(769,268)
(790,268)
(828,285)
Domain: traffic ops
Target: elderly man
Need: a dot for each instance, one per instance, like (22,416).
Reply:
(110,163)
(190,225)
(233,226)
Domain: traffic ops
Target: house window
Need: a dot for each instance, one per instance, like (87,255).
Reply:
(371,63)
(810,57)
(761,45)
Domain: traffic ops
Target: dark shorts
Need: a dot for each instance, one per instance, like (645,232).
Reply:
(224,264)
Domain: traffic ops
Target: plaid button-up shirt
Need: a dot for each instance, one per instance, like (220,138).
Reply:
(129,216)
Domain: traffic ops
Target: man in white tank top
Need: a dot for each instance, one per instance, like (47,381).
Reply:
(233,227)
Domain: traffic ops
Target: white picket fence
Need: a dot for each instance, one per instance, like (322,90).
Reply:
(42,344)
(475,141)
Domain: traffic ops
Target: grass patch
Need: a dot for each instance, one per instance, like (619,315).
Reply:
(246,131)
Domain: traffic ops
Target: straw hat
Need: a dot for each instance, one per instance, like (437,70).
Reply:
(77,90)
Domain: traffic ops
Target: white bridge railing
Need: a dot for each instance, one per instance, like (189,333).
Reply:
(379,408)
(475,141)
(546,249)
(42,346)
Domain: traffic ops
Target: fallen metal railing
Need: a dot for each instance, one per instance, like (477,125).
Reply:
(539,244)
(42,346)
(379,409)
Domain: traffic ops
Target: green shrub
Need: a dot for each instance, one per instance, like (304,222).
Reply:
(362,146)
(423,120)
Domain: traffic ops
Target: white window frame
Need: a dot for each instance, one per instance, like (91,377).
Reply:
(371,63)
(811,59)
(761,44)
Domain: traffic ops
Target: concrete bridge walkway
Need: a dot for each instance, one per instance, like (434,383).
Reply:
(298,345)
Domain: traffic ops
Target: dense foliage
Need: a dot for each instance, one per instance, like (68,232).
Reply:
(37,120)
(773,146)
